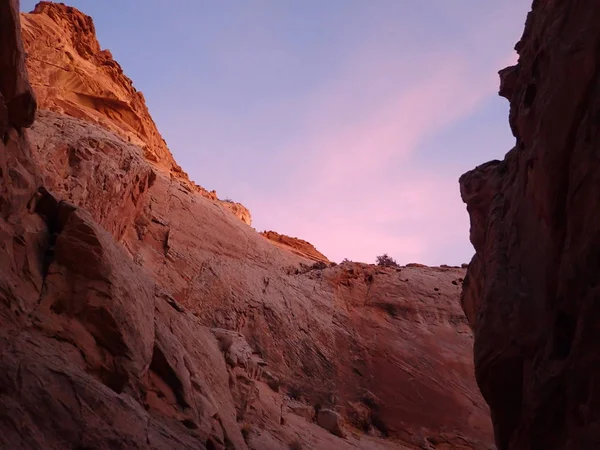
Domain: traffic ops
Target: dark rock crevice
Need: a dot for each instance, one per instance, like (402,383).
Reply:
(163,369)
(55,213)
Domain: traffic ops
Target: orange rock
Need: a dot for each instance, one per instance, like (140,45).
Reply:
(295,245)
(71,75)
(392,339)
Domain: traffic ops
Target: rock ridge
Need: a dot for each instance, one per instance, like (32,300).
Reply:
(295,245)
(72,75)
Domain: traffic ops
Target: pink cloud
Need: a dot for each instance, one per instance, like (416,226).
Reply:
(396,127)
(410,219)
(348,206)
(351,185)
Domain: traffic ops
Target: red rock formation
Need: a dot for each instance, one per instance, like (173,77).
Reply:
(531,289)
(71,75)
(296,246)
(86,338)
(136,312)
(376,344)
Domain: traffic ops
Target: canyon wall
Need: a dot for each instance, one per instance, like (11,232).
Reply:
(137,312)
(531,291)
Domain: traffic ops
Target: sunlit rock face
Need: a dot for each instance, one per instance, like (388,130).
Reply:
(73,76)
(137,312)
(531,289)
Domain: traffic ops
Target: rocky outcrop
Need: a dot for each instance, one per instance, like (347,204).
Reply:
(331,421)
(84,331)
(238,210)
(531,289)
(296,246)
(136,312)
(73,76)
(361,340)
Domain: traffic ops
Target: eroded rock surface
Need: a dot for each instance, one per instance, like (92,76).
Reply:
(374,344)
(531,289)
(298,246)
(73,76)
(81,324)
(137,312)
(331,421)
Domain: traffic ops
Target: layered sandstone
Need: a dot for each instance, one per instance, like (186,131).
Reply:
(298,246)
(531,289)
(378,345)
(73,76)
(136,312)
(90,347)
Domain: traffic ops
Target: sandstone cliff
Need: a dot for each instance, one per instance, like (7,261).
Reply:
(73,76)
(378,345)
(531,289)
(138,313)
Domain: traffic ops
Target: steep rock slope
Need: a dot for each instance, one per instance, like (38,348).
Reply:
(139,313)
(73,76)
(532,288)
(298,246)
(84,346)
(377,345)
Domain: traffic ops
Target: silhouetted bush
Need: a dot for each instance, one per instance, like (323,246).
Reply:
(386,261)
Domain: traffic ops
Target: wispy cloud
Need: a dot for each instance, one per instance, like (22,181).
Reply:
(315,114)
(391,130)
(354,190)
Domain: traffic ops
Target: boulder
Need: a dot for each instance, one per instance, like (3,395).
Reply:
(331,421)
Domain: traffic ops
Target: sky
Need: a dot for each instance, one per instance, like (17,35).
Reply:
(346,123)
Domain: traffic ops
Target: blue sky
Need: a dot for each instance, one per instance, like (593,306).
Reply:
(344,122)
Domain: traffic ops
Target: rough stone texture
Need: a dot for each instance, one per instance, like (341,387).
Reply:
(103,359)
(136,312)
(300,408)
(375,343)
(331,421)
(531,290)
(92,167)
(71,75)
(236,208)
(298,246)
(83,331)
